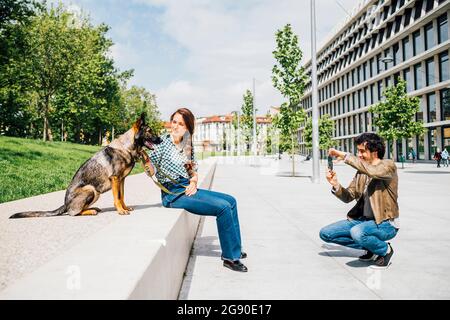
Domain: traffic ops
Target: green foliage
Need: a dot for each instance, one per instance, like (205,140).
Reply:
(289,78)
(289,121)
(395,116)
(326,126)
(58,80)
(288,75)
(247,117)
(138,100)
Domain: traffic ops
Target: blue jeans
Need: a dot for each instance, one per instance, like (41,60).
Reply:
(210,203)
(360,234)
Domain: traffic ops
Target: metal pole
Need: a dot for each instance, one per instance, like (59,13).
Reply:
(238,134)
(254,120)
(315,107)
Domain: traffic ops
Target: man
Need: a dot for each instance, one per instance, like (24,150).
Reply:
(374,218)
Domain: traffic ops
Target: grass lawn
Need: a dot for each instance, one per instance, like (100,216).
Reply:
(32,167)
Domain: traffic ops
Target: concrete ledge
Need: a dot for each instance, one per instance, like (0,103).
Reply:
(141,256)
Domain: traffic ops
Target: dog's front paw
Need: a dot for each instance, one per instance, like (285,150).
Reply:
(128,208)
(123,212)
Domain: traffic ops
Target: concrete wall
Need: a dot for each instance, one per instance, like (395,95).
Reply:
(140,256)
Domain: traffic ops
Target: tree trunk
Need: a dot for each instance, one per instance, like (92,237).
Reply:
(99,136)
(44,135)
(112,134)
(46,125)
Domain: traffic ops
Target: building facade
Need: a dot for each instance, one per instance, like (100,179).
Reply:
(217,134)
(384,41)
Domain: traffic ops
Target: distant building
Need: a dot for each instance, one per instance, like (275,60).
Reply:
(384,41)
(217,133)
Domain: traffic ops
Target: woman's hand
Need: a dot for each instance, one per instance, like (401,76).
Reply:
(191,189)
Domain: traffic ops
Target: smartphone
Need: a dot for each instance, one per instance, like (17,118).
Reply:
(330,163)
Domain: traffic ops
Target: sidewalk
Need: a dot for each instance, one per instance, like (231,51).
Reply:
(280,220)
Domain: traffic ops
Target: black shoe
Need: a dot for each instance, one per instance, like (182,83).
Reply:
(243,256)
(235,265)
(382,262)
(369,256)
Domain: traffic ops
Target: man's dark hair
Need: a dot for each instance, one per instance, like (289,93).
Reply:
(374,143)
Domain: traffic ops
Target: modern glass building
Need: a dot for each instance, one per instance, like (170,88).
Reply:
(382,42)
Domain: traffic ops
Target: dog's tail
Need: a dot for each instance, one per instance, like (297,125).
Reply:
(34,214)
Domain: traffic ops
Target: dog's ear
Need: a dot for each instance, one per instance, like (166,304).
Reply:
(142,119)
(139,122)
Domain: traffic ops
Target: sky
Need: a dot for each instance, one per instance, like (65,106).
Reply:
(204,54)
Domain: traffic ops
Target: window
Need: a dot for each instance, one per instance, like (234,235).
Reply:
(431,107)
(365,97)
(407,51)
(373,67)
(419,114)
(360,120)
(432,141)
(408,12)
(418,9)
(417,43)
(429,36)
(445,104)
(397,54)
(430,71)
(373,94)
(396,78)
(380,64)
(446,138)
(388,82)
(442,23)
(421,147)
(418,72)
(380,90)
(444,67)
(366,118)
(407,78)
(429,5)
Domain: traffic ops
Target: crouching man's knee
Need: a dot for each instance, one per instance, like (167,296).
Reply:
(325,235)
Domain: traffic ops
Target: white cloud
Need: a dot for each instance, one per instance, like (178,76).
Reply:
(227,47)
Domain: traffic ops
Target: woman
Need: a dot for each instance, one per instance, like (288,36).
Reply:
(176,170)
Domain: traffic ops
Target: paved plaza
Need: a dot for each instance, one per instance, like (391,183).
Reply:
(280,220)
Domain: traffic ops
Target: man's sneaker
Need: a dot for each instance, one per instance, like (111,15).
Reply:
(382,262)
(369,256)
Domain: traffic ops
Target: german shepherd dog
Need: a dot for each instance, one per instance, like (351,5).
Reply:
(105,170)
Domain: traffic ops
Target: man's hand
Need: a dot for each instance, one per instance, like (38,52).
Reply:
(332,178)
(191,189)
(340,155)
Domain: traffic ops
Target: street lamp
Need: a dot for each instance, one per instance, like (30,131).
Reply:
(254,121)
(387,59)
(315,95)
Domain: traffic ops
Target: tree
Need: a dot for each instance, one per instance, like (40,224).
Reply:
(395,115)
(247,117)
(326,126)
(138,100)
(289,78)
(15,113)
